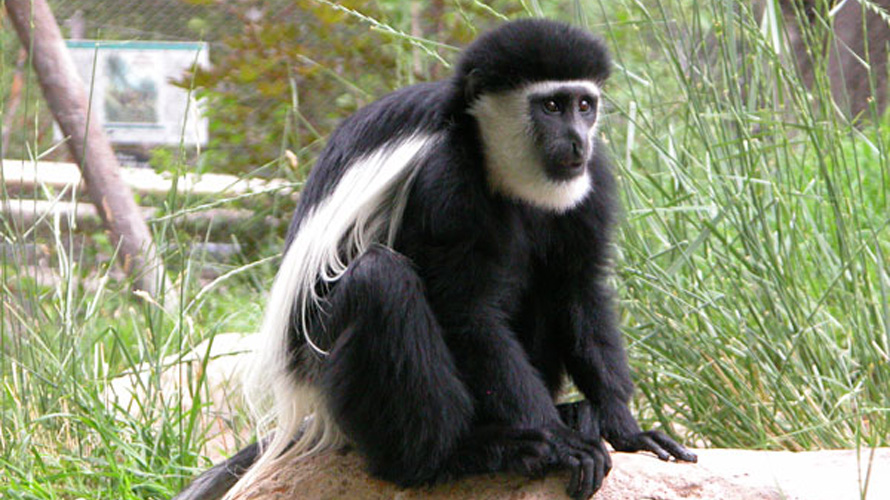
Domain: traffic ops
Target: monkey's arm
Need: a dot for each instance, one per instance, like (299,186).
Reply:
(508,393)
(505,386)
(597,363)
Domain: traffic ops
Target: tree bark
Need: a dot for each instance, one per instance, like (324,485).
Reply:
(861,38)
(67,99)
(857,51)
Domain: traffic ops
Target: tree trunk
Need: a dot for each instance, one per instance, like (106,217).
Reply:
(67,99)
(861,38)
(857,51)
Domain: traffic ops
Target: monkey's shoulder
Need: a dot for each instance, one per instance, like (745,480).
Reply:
(416,109)
(410,111)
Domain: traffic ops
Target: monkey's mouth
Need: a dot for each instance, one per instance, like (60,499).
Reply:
(566,170)
(572,161)
(574,165)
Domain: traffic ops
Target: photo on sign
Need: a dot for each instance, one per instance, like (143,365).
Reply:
(132,94)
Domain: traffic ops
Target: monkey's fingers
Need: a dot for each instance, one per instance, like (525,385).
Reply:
(586,476)
(591,481)
(606,459)
(647,443)
(586,459)
(676,450)
(574,487)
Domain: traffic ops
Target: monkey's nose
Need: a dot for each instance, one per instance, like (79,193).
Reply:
(577,150)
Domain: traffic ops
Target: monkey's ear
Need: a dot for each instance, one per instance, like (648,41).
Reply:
(472,85)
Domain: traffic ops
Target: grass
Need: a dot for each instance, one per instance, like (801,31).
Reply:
(752,266)
(753,255)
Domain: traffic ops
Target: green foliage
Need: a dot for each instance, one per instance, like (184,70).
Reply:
(295,69)
(753,258)
(275,76)
(67,334)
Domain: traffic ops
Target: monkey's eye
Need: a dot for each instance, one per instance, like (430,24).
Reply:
(584,105)
(551,106)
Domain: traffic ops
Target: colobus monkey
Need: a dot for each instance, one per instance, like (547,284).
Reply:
(446,266)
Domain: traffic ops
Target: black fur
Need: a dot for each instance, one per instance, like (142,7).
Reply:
(215,482)
(526,51)
(448,349)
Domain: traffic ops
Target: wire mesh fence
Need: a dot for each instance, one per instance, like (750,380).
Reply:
(27,123)
(269,60)
(143,19)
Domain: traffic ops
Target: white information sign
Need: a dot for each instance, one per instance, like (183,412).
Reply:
(130,89)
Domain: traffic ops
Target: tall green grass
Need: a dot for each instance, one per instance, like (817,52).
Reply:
(752,266)
(71,324)
(753,257)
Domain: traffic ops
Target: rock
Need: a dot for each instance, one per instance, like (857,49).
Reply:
(808,475)
(720,474)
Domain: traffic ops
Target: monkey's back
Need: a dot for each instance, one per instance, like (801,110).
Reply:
(404,112)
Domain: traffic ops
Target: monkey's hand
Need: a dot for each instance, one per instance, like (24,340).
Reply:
(532,452)
(584,455)
(655,441)
(582,417)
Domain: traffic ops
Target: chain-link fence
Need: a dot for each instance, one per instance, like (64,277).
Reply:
(281,73)
(262,54)
(27,123)
(166,20)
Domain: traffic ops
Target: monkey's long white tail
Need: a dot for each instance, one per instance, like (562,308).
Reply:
(365,207)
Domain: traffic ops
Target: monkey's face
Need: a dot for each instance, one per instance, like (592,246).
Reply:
(538,141)
(562,122)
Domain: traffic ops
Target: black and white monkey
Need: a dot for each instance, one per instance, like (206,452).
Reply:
(446,267)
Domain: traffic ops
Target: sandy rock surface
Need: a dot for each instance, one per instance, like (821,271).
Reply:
(720,474)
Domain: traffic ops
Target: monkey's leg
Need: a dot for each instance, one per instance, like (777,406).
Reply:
(580,416)
(390,381)
(392,386)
